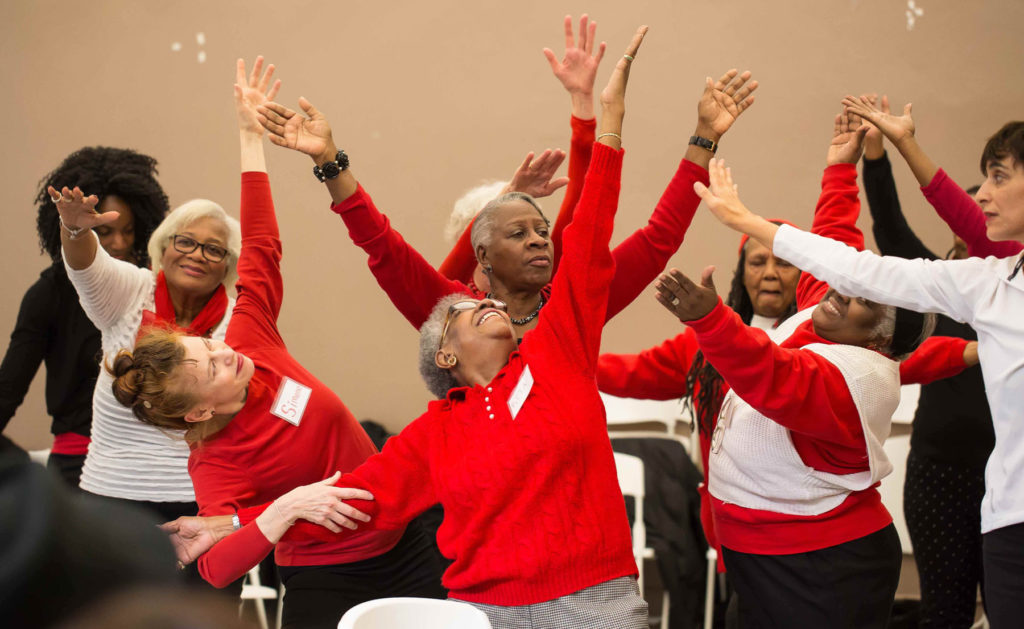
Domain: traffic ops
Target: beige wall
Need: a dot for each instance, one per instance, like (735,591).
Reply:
(428,98)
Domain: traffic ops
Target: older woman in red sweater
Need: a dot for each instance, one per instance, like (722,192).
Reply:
(516,450)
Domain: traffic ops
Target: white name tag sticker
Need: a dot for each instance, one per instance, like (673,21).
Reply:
(291,400)
(520,393)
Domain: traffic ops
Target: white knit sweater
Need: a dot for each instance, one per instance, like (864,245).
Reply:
(128,459)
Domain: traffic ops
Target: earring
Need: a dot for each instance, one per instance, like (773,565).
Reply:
(451,360)
(488,269)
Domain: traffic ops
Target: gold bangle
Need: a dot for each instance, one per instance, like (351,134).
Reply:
(614,135)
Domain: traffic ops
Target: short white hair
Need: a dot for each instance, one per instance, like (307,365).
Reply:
(188,213)
(468,206)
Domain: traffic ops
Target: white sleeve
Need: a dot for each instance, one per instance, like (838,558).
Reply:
(108,288)
(950,287)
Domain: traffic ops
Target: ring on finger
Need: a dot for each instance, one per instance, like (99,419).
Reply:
(628,57)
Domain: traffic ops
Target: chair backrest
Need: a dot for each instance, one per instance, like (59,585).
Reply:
(414,613)
(630,470)
(39,456)
(897,447)
(624,411)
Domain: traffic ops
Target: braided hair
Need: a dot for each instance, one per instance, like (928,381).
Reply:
(702,376)
(104,171)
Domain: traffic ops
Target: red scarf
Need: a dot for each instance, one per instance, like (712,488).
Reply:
(164,317)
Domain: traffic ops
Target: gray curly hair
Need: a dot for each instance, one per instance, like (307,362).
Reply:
(438,380)
(483,225)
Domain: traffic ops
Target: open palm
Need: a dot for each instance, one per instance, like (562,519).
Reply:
(252,92)
(724,100)
(309,133)
(894,127)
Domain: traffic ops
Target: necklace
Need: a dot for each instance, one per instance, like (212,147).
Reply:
(528,318)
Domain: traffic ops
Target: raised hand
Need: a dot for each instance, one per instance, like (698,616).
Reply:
(191,536)
(847,140)
(613,96)
(534,176)
(578,68)
(722,197)
(873,139)
(723,101)
(78,211)
(309,134)
(896,128)
(252,92)
(683,298)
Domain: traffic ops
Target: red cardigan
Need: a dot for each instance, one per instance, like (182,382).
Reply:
(259,456)
(532,506)
(638,259)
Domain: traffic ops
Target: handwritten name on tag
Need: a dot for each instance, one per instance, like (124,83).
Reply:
(291,400)
(520,392)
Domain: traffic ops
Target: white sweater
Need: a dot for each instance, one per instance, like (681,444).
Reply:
(128,459)
(974,291)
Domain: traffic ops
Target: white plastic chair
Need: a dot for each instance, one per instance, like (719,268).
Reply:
(630,470)
(414,613)
(253,590)
(624,411)
(39,456)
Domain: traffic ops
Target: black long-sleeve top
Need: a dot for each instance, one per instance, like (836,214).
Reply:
(953,423)
(52,327)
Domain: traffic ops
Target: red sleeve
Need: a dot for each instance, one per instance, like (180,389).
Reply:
(260,287)
(835,217)
(408,279)
(963,215)
(220,490)
(645,253)
(657,373)
(797,389)
(580,149)
(938,357)
(572,323)
(461,260)
(399,479)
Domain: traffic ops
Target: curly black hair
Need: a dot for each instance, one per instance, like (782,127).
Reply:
(104,171)
(702,375)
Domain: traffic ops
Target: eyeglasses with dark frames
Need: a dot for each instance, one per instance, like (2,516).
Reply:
(186,244)
(462,306)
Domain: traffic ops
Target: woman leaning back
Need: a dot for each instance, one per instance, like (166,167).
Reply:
(510,236)
(51,326)
(517,450)
(259,425)
(986,293)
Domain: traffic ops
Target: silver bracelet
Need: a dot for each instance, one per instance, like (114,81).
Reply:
(235,522)
(73,233)
(614,135)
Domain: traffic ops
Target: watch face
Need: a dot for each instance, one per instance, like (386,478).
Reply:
(330,170)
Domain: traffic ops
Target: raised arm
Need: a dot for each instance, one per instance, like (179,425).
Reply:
(412,284)
(657,373)
(644,254)
(893,235)
(953,205)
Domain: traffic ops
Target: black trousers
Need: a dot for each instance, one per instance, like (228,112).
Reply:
(849,586)
(318,596)
(942,505)
(1003,551)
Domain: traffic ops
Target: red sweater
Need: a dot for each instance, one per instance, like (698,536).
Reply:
(532,506)
(660,372)
(638,259)
(260,456)
(963,215)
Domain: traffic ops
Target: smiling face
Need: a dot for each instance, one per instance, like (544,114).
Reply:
(117,238)
(1001,198)
(191,272)
(770,281)
(848,320)
(217,375)
(476,332)
(519,251)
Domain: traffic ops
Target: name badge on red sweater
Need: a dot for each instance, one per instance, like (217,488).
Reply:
(520,393)
(291,401)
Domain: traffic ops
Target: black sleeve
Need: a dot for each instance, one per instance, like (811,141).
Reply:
(28,347)
(889,227)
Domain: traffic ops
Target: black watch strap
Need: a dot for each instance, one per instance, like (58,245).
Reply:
(704,143)
(330,170)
